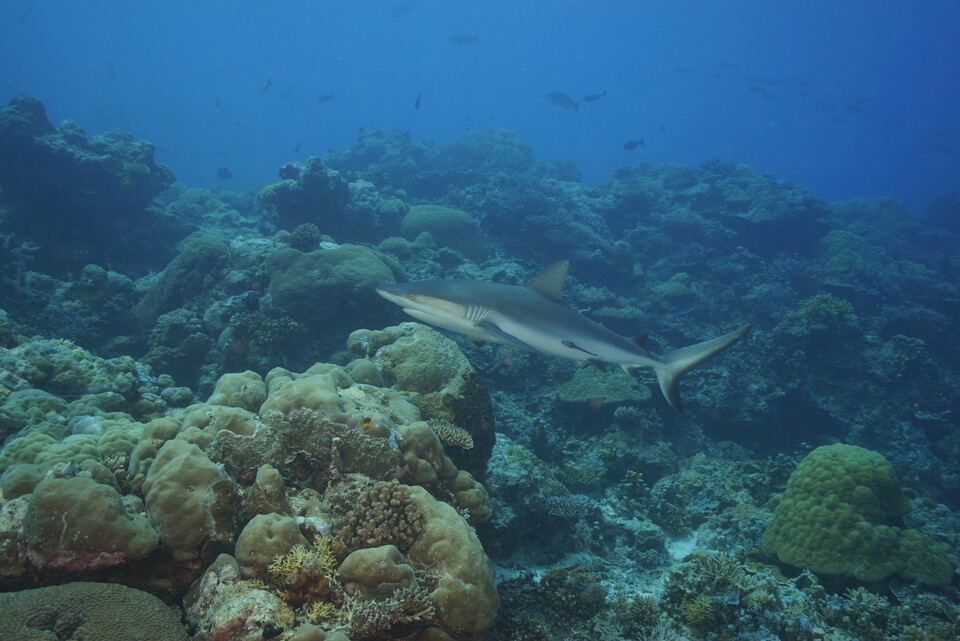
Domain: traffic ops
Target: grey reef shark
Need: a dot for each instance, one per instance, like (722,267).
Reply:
(538,319)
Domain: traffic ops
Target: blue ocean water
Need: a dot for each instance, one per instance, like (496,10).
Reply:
(236,84)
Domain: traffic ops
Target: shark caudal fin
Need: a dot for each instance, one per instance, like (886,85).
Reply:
(675,364)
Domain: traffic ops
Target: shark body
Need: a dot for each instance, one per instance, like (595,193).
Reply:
(536,318)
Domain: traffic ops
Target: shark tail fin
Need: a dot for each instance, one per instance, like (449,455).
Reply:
(675,364)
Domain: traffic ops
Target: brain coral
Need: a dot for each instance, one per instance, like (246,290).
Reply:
(100,611)
(837,517)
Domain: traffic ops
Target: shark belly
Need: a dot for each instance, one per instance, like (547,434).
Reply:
(456,323)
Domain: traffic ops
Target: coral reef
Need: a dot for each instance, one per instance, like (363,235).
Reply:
(77,195)
(342,483)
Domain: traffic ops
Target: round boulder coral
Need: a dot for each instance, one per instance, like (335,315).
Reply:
(79,524)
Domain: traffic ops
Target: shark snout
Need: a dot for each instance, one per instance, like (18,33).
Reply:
(396,294)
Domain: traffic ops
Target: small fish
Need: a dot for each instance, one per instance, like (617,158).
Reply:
(709,75)
(860,100)
(218,102)
(748,78)
(111,72)
(416,104)
(267,84)
(630,145)
(465,39)
(890,122)
(769,96)
(935,133)
(224,173)
(402,9)
(286,92)
(561,99)
(824,107)
(840,121)
(798,82)
(929,147)
(754,88)
(854,109)
(325,99)
(296,149)
(662,128)
(679,69)
(727,66)
(767,81)
(804,94)
(595,96)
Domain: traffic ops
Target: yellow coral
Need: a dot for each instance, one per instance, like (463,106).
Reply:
(698,611)
(320,611)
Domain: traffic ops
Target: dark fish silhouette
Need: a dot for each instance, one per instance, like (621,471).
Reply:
(754,88)
(679,69)
(402,9)
(324,99)
(798,82)
(824,107)
(769,96)
(854,109)
(633,144)
(749,78)
(803,93)
(860,100)
(111,72)
(709,75)
(416,104)
(296,149)
(595,96)
(727,66)
(767,81)
(890,122)
(465,39)
(561,99)
(218,102)
(286,92)
(267,84)
(224,174)
(840,121)
(929,147)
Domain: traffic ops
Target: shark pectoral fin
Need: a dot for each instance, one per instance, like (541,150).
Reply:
(573,345)
(507,338)
(673,365)
(641,341)
(596,362)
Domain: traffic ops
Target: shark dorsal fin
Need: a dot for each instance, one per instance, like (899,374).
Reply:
(550,281)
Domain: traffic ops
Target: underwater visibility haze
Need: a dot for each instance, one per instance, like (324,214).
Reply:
(218,423)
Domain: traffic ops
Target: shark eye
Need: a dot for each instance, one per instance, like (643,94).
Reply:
(411,297)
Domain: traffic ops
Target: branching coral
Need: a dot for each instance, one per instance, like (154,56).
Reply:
(368,619)
(383,515)
(450,434)
(305,575)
